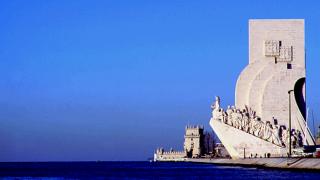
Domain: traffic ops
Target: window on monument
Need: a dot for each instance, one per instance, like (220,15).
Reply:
(289,66)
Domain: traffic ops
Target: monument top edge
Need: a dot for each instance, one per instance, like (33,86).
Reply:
(302,20)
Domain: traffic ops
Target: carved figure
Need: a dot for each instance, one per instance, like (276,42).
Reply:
(229,115)
(216,110)
(216,104)
(284,136)
(247,121)
(275,138)
(267,131)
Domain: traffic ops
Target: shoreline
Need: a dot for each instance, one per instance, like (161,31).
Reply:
(310,164)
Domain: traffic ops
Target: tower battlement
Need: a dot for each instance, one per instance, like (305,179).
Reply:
(194,127)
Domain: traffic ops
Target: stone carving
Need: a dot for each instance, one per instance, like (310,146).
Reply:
(246,120)
(216,105)
(285,54)
(217,112)
(284,134)
(275,138)
(272,48)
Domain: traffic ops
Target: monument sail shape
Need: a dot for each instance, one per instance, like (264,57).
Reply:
(258,123)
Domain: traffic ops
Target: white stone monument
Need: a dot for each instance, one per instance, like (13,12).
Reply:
(258,124)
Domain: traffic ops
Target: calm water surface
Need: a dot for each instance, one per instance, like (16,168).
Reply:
(141,170)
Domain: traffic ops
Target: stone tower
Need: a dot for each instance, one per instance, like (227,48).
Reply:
(193,141)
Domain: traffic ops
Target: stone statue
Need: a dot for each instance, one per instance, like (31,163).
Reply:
(294,139)
(252,113)
(285,137)
(258,128)
(299,139)
(217,112)
(224,116)
(252,125)
(275,138)
(217,103)
(247,121)
(229,113)
(237,119)
(267,131)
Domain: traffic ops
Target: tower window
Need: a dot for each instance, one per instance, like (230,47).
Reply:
(289,66)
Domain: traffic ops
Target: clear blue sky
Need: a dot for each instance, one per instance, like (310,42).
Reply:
(112,80)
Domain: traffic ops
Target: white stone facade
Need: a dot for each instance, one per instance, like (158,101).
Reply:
(276,65)
(161,155)
(193,141)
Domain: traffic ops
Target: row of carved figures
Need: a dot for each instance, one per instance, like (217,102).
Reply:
(247,121)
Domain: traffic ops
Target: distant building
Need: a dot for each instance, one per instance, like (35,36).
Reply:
(209,144)
(172,155)
(193,141)
(193,146)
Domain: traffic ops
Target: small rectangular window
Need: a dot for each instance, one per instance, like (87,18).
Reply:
(289,66)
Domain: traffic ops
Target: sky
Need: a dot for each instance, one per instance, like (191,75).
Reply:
(113,80)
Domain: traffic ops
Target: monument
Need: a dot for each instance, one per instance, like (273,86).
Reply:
(270,93)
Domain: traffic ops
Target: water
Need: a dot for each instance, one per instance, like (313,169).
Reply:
(142,170)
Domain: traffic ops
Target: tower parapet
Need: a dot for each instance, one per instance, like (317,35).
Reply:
(193,141)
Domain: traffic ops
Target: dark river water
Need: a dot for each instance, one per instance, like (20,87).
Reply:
(142,170)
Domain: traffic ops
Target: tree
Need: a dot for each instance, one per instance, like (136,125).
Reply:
(209,143)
